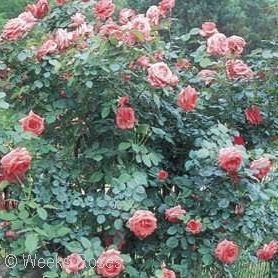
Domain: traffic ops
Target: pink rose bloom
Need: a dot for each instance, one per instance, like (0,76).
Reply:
(111,30)
(81,31)
(253,115)
(236,44)
(237,69)
(33,123)
(207,76)
(261,167)
(183,64)
(153,15)
(166,5)
(208,29)
(73,264)
(141,24)
(40,9)
(77,20)
(217,45)
(187,99)
(143,61)
(16,163)
(126,15)
(194,226)
(143,223)
(104,9)
(159,75)
(62,39)
(238,140)
(168,273)
(110,264)
(60,2)
(227,251)
(174,214)
(162,175)
(48,47)
(268,251)
(159,55)
(125,118)
(230,159)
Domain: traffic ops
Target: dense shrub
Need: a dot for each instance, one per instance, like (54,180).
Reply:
(117,145)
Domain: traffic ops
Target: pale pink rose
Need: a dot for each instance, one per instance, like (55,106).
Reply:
(261,167)
(268,251)
(153,15)
(187,99)
(208,29)
(168,273)
(166,5)
(40,9)
(159,75)
(62,38)
(48,47)
(207,76)
(174,214)
(126,15)
(73,264)
(236,44)
(141,24)
(230,159)
(227,251)
(111,30)
(33,123)
(143,223)
(104,9)
(183,64)
(77,20)
(237,69)
(81,31)
(16,163)
(217,45)
(110,264)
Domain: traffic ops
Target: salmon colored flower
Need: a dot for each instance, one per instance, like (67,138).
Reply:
(73,264)
(187,99)
(104,9)
(261,167)
(194,226)
(174,214)
(230,159)
(268,251)
(227,251)
(253,115)
(217,45)
(33,123)
(162,175)
(208,29)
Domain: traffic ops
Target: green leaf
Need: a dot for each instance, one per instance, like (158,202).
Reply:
(124,146)
(96,177)
(74,246)
(85,242)
(42,213)
(31,242)
(172,242)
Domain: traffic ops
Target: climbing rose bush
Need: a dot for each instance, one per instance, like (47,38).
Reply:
(129,151)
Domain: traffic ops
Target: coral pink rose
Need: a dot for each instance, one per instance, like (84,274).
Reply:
(126,15)
(33,123)
(141,24)
(162,175)
(236,44)
(226,251)
(166,5)
(143,223)
(60,2)
(187,99)
(208,29)
(183,64)
(238,140)
(174,214)
(153,14)
(143,61)
(110,264)
(104,9)
(268,251)
(230,159)
(73,264)
(16,163)
(40,9)
(253,115)
(159,75)
(11,234)
(217,45)
(261,167)
(168,273)
(77,20)
(207,76)
(123,101)
(237,69)
(194,226)
(111,30)
(48,47)
(125,118)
